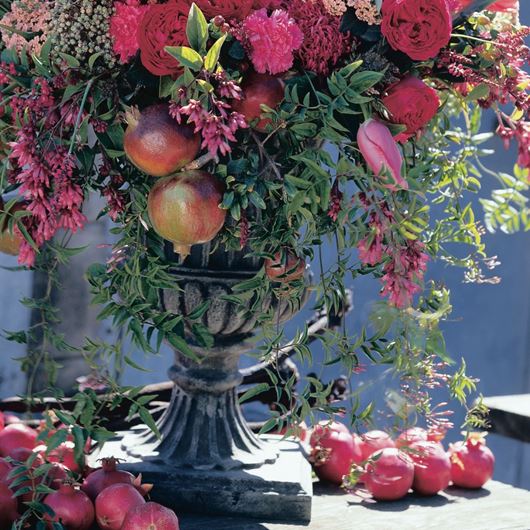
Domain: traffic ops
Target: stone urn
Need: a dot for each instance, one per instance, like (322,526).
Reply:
(207,458)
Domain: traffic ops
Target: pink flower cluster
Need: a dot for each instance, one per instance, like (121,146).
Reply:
(217,125)
(45,172)
(406,261)
(272,40)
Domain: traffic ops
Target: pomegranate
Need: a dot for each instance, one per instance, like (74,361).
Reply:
(63,454)
(156,144)
(184,209)
(334,453)
(472,462)
(390,475)
(432,467)
(23,455)
(16,435)
(2,421)
(285,267)
(375,440)
(409,436)
(10,242)
(322,430)
(107,475)
(72,508)
(8,506)
(259,89)
(57,475)
(113,504)
(150,516)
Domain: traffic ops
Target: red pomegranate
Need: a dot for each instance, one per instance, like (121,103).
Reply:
(16,435)
(409,436)
(33,461)
(109,474)
(2,421)
(150,516)
(472,463)
(285,267)
(10,242)
(334,452)
(323,428)
(259,89)
(8,506)
(113,504)
(432,467)
(156,144)
(184,209)
(5,469)
(375,440)
(389,476)
(72,508)
(63,454)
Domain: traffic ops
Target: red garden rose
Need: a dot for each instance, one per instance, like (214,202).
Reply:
(163,25)
(228,9)
(505,6)
(412,103)
(419,28)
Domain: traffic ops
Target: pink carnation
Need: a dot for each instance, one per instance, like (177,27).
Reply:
(124,26)
(272,40)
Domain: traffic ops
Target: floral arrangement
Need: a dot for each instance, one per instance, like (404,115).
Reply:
(270,126)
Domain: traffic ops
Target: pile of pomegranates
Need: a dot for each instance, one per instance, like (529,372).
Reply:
(74,495)
(388,469)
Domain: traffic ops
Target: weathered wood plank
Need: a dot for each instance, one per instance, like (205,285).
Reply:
(496,507)
(510,415)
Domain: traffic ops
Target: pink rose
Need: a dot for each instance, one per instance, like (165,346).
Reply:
(381,153)
(419,28)
(412,103)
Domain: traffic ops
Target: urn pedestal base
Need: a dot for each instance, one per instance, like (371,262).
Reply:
(279,491)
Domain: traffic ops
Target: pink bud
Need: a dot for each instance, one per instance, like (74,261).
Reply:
(381,153)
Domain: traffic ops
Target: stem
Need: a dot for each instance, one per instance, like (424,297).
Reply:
(79,114)
(200,162)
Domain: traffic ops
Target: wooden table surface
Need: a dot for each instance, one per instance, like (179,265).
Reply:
(496,507)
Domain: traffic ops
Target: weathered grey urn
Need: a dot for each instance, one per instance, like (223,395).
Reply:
(206,447)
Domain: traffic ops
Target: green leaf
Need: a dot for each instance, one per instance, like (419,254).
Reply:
(134,365)
(70,60)
(146,417)
(197,29)
(212,57)
(199,311)
(254,391)
(362,81)
(182,346)
(93,58)
(186,56)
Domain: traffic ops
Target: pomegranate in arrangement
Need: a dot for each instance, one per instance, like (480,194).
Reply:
(373,441)
(156,144)
(410,436)
(15,436)
(184,209)
(259,89)
(72,508)
(472,462)
(285,267)
(390,474)
(8,506)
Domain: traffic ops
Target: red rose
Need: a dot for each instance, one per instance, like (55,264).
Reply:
(419,28)
(412,103)
(505,6)
(163,25)
(228,9)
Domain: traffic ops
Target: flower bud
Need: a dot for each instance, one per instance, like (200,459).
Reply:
(381,153)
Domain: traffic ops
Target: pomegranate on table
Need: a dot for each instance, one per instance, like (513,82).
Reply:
(8,506)
(150,516)
(5,468)
(472,462)
(15,436)
(113,504)
(432,467)
(259,89)
(107,475)
(63,454)
(73,509)
(334,451)
(390,474)
(285,267)
(411,435)
(373,441)
(156,144)
(184,209)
